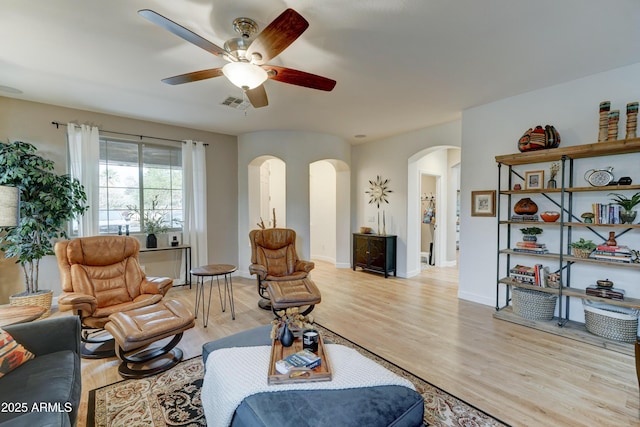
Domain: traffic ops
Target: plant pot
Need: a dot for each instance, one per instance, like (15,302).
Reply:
(627,217)
(529,238)
(152,241)
(40,299)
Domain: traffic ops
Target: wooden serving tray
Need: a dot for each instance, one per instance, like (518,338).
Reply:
(278,352)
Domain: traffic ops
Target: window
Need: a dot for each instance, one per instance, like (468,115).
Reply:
(138,181)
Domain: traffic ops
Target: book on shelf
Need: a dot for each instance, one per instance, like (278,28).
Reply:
(606,213)
(609,293)
(531,245)
(522,269)
(304,359)
(536,275)
(613,258)
(525,218)
(531,250)
(613,249)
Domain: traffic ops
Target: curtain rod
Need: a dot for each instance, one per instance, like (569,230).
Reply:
(58,124)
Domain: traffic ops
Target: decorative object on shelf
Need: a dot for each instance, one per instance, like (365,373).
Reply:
(553,172)
(625,180)
(483,203)
(553,280)
(365,230)
(612,128)
(587,217)
(635,256)
(628,214)
(529,233)
(525,206)
(539,138)
(611,241)
(599,177)
(605,106)
(550,216)
(604,283)
(517,187)
(632,120)
(534,180)
(611,321)
(154,221)
(582,248)
(174,241)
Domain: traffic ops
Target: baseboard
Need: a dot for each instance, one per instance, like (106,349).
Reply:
(480,299)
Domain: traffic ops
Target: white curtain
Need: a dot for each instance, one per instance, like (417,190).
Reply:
(194,190)
(84,158)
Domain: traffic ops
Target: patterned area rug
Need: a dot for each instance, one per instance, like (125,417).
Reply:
(172,399)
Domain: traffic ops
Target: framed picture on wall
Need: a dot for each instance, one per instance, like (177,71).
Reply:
(483,203)
(534,180)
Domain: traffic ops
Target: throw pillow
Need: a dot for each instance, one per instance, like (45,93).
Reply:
(12,353)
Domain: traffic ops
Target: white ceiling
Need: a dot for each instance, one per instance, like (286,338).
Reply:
(400,64)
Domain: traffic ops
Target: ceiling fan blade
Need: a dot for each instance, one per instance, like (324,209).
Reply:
(193,77)
(299,78)
(258,96)
(275,38)
(183,33)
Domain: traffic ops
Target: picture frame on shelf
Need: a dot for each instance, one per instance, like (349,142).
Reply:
(483,203)
(534,180)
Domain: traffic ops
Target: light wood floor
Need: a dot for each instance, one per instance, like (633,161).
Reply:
(522,376)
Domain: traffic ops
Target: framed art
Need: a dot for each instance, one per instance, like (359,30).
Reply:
(534,180)
(483,203)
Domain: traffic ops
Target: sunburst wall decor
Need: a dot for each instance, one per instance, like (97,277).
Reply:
(378,191)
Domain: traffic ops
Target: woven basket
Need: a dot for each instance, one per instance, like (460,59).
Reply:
(611,321)
(42,299)
(581,253)
(533,305)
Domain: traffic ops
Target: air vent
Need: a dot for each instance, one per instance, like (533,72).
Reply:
(237,103)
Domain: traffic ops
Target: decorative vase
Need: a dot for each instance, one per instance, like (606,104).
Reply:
(152,241)
(525,206)
(627,217)
(529,238)
(552,183)
(286,336)
(612,239)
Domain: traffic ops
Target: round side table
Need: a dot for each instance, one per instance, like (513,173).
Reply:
(211,271)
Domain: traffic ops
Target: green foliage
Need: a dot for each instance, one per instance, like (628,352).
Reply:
(47,203)
(531,231)
(153,219)
(626,203)
(583,244)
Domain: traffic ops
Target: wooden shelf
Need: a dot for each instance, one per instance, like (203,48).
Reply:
(597,149)
(571,258)
(585,224)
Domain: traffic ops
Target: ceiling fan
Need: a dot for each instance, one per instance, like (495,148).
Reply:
(248,56)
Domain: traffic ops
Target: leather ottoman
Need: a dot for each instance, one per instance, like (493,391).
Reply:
(135,330)
(293,293)
(391,405)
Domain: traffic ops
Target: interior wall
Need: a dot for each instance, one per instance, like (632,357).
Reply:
(389,158)
(298,150)
(31,122)
(322,203)
(572,108)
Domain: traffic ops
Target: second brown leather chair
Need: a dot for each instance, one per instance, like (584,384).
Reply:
(274,261)
(100,276)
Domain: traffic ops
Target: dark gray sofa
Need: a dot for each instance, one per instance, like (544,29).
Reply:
(51,381)
(371,406)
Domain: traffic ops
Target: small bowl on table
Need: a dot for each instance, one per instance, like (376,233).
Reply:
(365,230)
(550,216)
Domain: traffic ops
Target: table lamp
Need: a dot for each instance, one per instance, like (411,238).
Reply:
(9,206)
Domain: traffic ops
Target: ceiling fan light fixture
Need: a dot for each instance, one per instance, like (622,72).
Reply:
(244,74)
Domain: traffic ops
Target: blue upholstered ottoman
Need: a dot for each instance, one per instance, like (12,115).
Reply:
(370,406)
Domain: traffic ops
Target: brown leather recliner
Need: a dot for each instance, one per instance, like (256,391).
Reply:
(100,276)
(281,275)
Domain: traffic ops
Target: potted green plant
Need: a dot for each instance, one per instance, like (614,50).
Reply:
(628,214)
(529,233)
(154,221)
(582,248)
(48,202)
